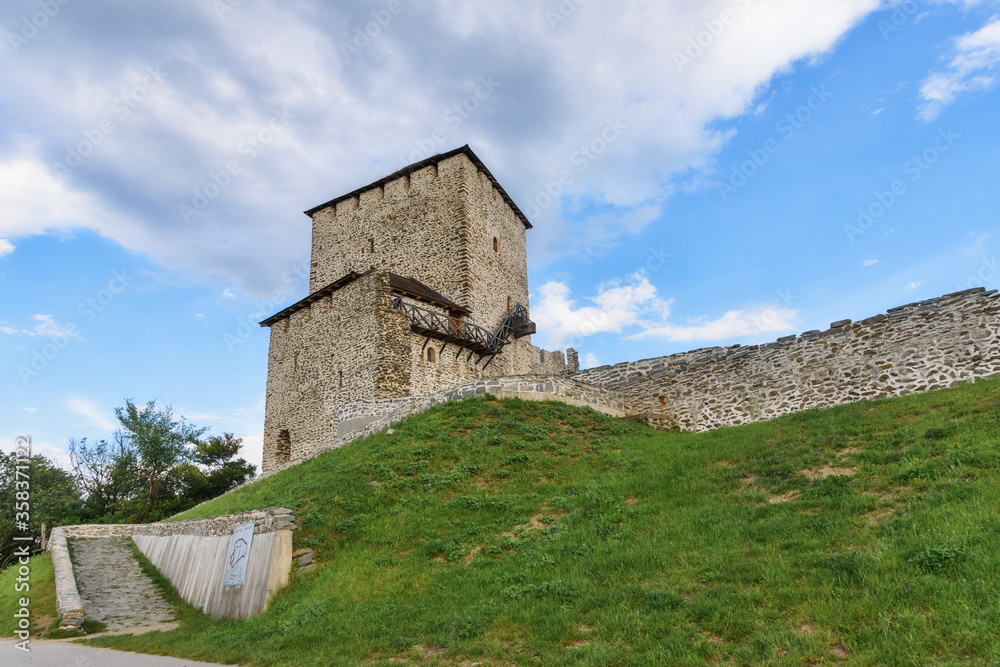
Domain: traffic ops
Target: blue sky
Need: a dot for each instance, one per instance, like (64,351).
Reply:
(697,174)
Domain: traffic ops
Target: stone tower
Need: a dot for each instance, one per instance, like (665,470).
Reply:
(418,283)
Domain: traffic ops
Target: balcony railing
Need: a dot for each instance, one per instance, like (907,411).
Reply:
(463,333)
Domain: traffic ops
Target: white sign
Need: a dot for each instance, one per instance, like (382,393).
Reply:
(239,554)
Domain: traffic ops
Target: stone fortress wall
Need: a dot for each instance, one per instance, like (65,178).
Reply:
(444,222)
(345,358)
(913,348)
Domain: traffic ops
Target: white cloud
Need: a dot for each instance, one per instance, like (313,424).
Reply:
(590,360)
(48,327)
(914,285)
(199,416)
(55,453)
(253,450)
(870,262)
(223,81)
(14,330)
(30,410)
(972,67)
(226,293)
(96,417)
(6,247)
(618,307)
(878,111)
(749,322)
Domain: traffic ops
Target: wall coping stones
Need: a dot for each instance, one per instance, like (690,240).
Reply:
(68,602)
(566,389)
(685,360)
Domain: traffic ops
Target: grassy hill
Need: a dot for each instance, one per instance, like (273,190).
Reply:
(508,532)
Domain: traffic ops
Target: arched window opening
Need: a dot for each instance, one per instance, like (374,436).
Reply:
(430,355)
(283,450)
(496,244)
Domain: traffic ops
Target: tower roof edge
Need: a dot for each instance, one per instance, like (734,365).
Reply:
(416,166)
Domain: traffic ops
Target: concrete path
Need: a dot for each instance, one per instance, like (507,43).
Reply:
(115,590)
(60,654)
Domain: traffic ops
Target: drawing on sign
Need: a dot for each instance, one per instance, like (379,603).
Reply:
(239,554)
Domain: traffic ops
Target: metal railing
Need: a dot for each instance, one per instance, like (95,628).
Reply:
(463,333)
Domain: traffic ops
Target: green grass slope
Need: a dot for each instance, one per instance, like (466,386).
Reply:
(509,532)
(41,593)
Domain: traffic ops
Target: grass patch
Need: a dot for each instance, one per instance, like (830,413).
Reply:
(41,591)
(537,533)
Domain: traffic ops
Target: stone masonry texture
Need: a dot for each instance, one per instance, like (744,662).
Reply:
(348,362)
(913,348)
(114,589)
(445,224)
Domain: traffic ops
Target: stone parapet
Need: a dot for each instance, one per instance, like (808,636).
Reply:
(68,602)
(913,348)
(374,415)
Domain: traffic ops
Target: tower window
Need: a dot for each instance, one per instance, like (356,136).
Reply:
(430,355)
(496,244)
(283,449)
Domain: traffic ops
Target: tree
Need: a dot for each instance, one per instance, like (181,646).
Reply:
(160,444)
(154,467)
(216,472)
(107,474)
(53,499)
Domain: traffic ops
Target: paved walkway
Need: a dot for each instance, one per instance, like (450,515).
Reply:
(58,654)
(115,590)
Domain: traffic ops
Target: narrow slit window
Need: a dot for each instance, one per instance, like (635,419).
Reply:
(496,244)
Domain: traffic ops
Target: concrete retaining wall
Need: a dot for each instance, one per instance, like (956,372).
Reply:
(192,556)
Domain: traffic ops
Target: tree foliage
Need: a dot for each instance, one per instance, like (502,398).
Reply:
(53,499)
(153,467)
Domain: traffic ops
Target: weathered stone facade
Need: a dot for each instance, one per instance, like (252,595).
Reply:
(921,346)
(444,224)
(545,362)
